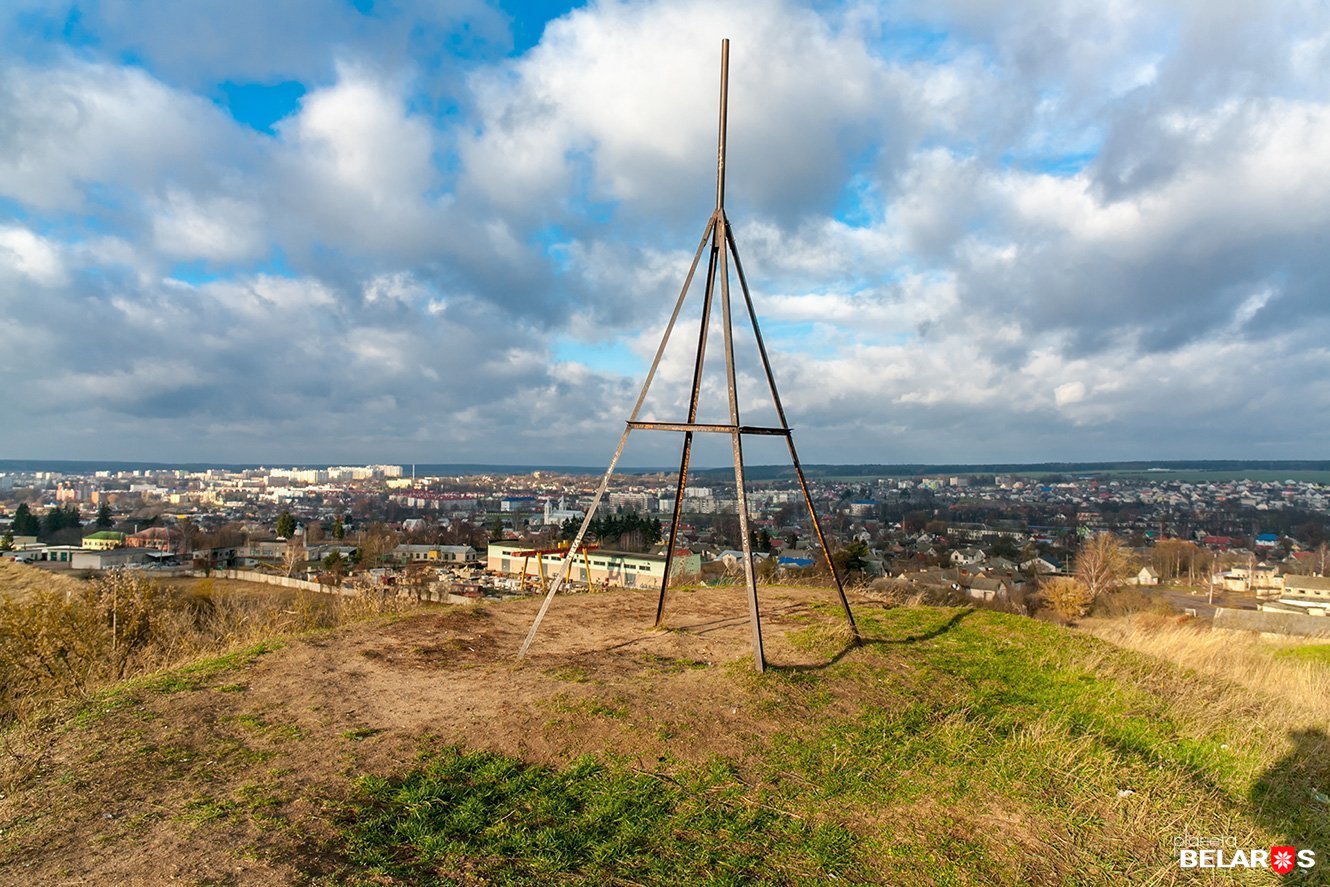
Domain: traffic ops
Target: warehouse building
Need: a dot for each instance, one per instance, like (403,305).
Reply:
(625,569)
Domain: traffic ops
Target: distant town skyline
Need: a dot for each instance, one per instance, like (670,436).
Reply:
(427,232)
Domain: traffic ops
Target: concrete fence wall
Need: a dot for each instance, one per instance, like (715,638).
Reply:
(436,595)
(1268,622)
(269,579)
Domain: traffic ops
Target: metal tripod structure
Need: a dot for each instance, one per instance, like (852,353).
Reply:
(722,247)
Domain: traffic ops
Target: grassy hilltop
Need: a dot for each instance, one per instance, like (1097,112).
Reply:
(955,746)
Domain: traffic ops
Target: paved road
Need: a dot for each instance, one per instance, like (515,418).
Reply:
(1198,599)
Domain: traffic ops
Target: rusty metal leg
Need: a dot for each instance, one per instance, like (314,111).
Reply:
(750,574)
(822,540)
(566,566)
(674,526)
(717,247)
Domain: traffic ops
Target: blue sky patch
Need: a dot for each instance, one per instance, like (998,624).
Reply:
(913,43)
(605,357)
(260,105)
(529,18)
(1068,164)
(199,271)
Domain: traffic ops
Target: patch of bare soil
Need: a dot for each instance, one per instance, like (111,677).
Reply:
(238,781)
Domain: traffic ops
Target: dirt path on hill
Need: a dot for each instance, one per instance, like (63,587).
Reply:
(236,782)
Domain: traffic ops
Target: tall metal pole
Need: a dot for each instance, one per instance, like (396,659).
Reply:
(727,316)
(724,111)
(717,246)
(754,614)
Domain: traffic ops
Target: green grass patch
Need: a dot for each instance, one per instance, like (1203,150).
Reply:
(1048,733)
(260,726)
(574,674)
(483,817)
(1314,653)
(191,676)
(361,733)
(588,706)
(205,810)
(257,802)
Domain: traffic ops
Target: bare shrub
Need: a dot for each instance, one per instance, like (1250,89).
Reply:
(1102,564)
(1069,598)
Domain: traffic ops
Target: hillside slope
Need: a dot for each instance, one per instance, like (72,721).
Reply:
(19,581)
(954,746)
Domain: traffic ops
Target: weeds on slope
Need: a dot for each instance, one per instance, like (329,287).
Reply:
(62,644)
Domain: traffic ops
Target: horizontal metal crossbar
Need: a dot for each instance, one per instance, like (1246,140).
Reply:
(718,429)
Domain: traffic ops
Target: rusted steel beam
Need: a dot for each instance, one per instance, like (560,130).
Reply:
(717,246)
(565,568)
(712,428)
(724,111)
(736,440)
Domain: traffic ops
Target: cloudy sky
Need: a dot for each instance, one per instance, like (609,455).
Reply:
(452,230)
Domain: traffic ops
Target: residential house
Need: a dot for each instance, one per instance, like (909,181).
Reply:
(733,559)
(985,588)
(1040,567)
(965,557)
(1145,576)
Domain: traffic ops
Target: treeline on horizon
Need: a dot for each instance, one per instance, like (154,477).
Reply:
(773,472)
(753,472)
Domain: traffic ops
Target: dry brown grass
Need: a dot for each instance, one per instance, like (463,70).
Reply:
(19,581)
(1301,688)
(61,642)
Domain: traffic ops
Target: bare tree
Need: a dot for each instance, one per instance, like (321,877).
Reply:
(375,543)
(294,555)
(1102,564)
